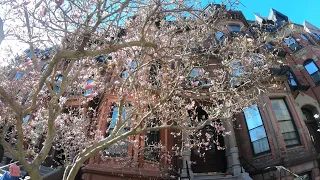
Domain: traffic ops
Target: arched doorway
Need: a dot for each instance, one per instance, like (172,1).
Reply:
(207,156)
(312,126)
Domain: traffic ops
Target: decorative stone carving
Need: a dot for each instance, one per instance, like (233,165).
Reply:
(262,159)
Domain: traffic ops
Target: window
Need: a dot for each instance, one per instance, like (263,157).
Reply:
(194,76)
(18,75)
(89,87)
(100,58)
(154,71)
(44,68)
(152,149)
(258,136)
(316,36)
(292,43)
(26,119)
(115,113)
(119,149)
(313,70)
(125,72)
(219,38)
(151,146)
(25,98)
(58,83)
(237,72)
(304,37)
(270,46)
(235,28)
(291,80)
(285,120)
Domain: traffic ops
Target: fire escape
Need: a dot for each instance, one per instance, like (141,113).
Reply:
(296,82)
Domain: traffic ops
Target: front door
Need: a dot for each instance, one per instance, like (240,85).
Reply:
(312,128)
(207,156)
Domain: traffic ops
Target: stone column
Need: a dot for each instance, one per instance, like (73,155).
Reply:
(232,150)
(186,159)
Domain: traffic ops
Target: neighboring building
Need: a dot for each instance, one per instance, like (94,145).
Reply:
(283,128)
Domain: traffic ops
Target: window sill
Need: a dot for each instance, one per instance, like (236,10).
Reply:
(263,154)
(292,147)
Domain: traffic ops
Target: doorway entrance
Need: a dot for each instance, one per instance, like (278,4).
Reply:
(207,156)
(312,126)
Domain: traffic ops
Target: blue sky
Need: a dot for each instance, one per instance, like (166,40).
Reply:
(296,10)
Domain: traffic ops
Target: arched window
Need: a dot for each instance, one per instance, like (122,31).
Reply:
(313,70)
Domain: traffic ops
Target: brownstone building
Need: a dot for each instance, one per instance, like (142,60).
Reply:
(281,130)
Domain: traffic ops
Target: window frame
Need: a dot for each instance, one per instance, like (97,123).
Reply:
(234,25)
(292,121)
(292,77)
(306,38)
(219,37)
(316,36)
(308,61)
(288,39)
(89,92)
(153,155)
(58,82)
(248,131)
(18,75)
(107,133)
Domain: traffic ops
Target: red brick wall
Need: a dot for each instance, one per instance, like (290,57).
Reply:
(299,57)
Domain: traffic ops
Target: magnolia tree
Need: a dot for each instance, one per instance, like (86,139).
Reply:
(163,59)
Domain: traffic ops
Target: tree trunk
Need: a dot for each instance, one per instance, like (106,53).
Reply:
(35,174)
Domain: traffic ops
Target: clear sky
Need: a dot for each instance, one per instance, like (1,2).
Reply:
(296,10)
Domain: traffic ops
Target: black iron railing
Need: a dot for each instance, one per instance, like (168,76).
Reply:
(188,173)
(271,169)
(243,161)
(296,82)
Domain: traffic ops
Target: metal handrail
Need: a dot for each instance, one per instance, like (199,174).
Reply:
(260,171)
(188,173)
(280,168)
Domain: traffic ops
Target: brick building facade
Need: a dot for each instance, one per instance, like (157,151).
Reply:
(292,142)
(281,131)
